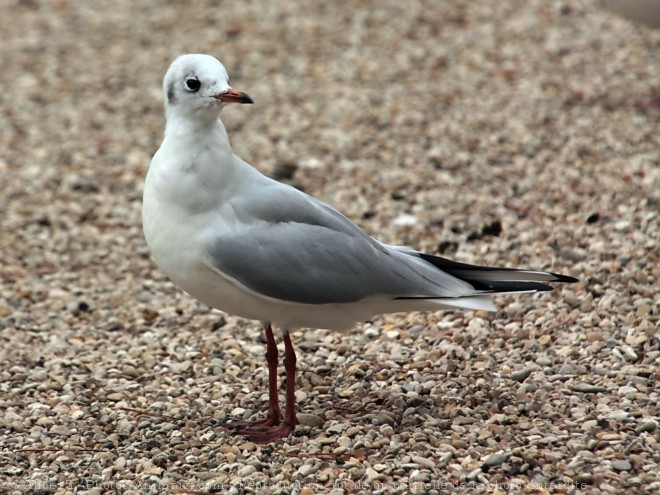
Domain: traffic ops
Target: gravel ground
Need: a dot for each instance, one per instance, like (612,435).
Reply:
(520,133)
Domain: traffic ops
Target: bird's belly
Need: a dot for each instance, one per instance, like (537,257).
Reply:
(221,293)
(192,275)
(180,255)
(216,291)
(179,252)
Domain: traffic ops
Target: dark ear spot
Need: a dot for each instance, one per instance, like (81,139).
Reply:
(171,97)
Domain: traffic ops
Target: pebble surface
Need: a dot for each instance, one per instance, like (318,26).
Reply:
(504,133)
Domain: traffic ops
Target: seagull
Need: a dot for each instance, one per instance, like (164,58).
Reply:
(250,246)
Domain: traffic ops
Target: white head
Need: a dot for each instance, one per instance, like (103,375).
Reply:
(197,85)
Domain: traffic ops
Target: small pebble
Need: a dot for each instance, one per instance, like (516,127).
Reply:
(307,469)
(574,254)
(59,430)
(445,458)
(647,426)
(404,220)
(459,444)
(423,461)
(344,441)
(584,478)
(17,426)
(373,475)
(474,474)
(417,329)
(588,388)
(593,217)
(627,390)
(521,375)
(372,332)
(495,459)
(622,465)
(336,428)
(301,396)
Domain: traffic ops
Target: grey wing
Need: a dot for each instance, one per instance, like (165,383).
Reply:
(303,263)
(273,202)
(295,248)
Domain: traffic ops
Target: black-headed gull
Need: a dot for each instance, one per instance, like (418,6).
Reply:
(248,245)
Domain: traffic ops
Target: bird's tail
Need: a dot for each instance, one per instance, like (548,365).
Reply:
(492,280)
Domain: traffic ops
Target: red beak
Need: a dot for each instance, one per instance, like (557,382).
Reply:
(233,96)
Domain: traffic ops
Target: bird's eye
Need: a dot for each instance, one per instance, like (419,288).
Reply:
(193,84)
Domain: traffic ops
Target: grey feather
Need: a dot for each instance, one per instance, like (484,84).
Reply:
(315,265)
(298,249)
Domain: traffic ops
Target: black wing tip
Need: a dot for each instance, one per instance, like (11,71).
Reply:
(457,268)
(564,278)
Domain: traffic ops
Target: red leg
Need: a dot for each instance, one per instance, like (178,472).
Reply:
(290,369)
(267,434)
(274,416)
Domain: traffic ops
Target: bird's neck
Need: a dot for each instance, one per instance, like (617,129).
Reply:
(195,122)
(197,133)
(194,164)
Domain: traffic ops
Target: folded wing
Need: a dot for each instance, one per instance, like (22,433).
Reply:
(292,247)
